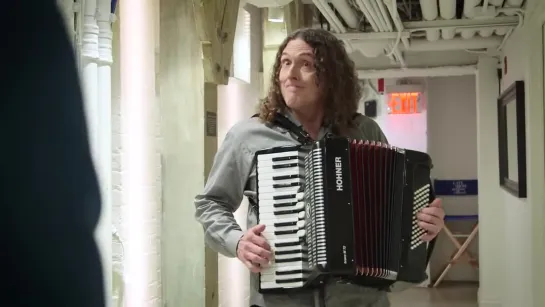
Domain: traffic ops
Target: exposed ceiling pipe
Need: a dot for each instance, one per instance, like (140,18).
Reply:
(469,5)
(363,5)
(514,3)
(333,20)
(430,11)
(392,8)
(502,21)
(346,12)
(442,71)
(455,44)
(329,15)
(380,11)
(447,9)
(372,35)
(485,5)
(268,3)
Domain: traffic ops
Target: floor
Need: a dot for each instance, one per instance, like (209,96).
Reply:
(455,295)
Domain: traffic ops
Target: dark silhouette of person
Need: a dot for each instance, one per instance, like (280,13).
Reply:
(50,193)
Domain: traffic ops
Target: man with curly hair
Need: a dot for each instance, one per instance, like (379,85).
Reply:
(314,84)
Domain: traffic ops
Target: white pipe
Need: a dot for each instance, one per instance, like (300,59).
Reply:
(485,5)
(346,12)
(392,8)
(455,44)
(363,7)
(495,2)
(372,35)
(447,9)
(430,12)
(514,3)
(371,18)
(89,53)
(329,15)
(502,21)
(429,9)
(333,20)
(443,71)
(104,229)
(371,10)
(374,10)
(469,5)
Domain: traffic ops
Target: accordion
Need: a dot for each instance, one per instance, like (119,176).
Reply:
(343,208)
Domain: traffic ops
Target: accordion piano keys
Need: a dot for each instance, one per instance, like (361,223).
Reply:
(282,211)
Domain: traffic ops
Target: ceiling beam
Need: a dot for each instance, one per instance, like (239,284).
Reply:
(216,23)
(297,16)
(504,21)
(371,35)
(440,71)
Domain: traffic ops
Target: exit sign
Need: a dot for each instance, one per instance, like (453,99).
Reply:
(404,103)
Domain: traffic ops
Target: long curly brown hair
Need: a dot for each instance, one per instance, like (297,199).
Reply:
(335,71)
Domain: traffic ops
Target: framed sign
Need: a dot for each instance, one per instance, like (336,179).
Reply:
(512,139)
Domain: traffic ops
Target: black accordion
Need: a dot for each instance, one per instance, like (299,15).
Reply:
(343,208)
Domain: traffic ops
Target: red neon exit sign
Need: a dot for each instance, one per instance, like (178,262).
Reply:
(403,103)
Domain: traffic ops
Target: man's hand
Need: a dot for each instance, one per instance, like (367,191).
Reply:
(253,250)
(431,219)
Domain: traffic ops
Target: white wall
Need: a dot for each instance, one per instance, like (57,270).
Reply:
(517,225)
(452,144)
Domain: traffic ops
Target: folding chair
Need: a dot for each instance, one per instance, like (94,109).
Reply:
(461,249)
(458,188)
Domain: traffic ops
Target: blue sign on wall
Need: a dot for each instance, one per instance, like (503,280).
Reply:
(456,187)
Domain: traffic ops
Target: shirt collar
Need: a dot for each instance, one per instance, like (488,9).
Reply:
(321,134)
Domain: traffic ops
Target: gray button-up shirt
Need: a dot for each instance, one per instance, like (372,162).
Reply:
(233,176)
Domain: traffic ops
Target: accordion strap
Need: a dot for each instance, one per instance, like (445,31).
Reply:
(302,136)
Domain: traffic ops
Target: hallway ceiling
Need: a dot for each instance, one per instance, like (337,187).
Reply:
(418,33)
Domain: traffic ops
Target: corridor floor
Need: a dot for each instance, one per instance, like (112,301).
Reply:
(457,295)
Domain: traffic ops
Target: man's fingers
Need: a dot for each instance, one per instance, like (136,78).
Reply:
(260,241)
(429,228)
(258,229)
(252,267)
(436,203)
(255,259)
(429,218)
(435,211)
(261,252)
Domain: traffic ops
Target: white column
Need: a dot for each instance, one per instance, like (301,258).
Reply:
(104,109)
(491,212)
(89,54)
(140,159)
